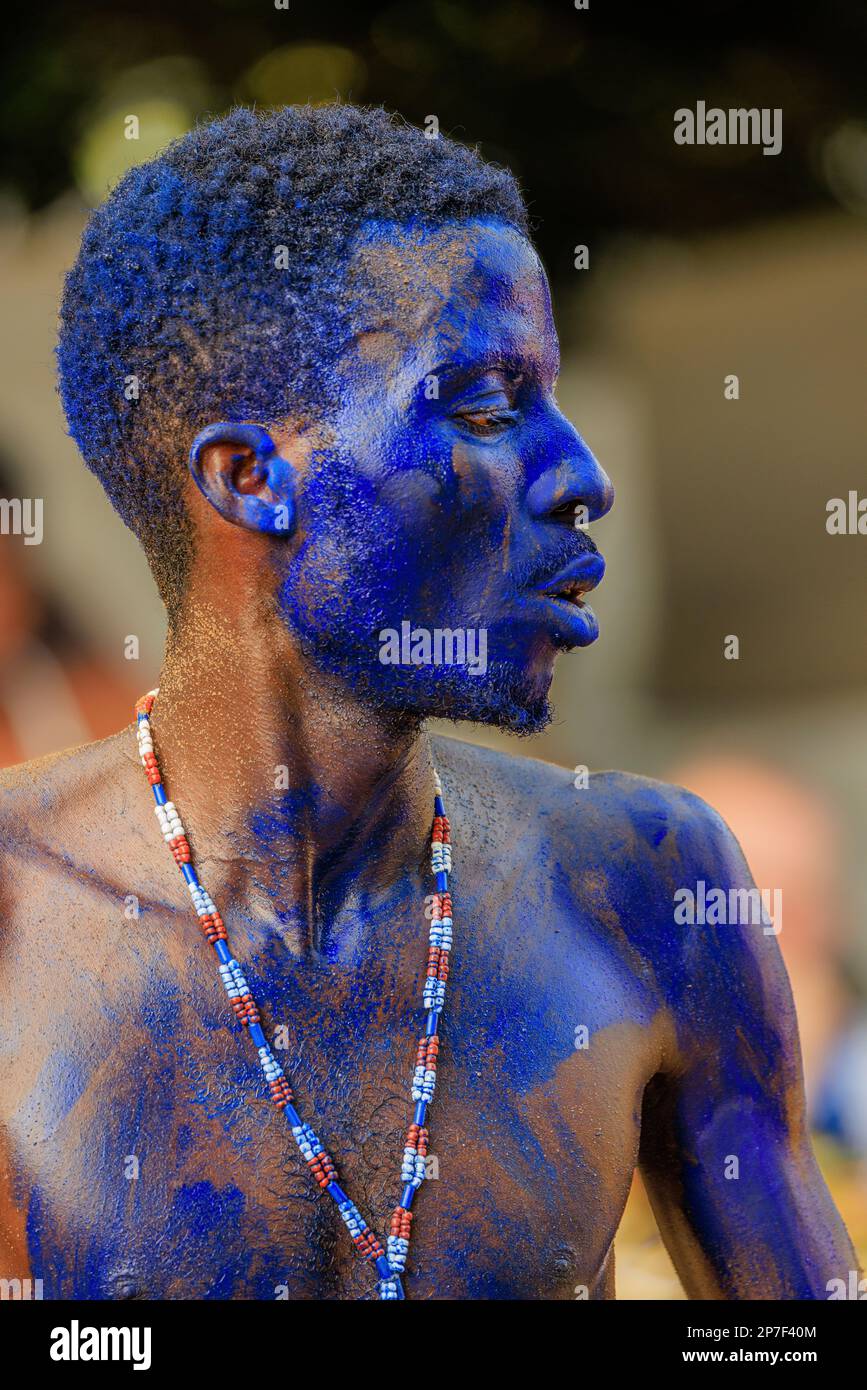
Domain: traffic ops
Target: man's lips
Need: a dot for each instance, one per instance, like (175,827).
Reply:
(575,579)
(559,601)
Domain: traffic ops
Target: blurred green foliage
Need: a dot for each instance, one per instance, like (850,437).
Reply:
(578,103)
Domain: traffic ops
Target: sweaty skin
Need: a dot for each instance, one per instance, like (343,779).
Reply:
(585,1031)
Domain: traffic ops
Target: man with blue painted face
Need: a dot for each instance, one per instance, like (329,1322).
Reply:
(311,357)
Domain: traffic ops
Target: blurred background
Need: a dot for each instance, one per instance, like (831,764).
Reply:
(702,262)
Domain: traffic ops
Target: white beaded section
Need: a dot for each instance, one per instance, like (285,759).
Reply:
(270,1066)
(306,1141)
(434,994)
(202,900)
(170,821)
(233,978)
(412,1168)
(423,1083)
(352,1216)
(396,1248)
(145,738)
(441,933)
(441,858)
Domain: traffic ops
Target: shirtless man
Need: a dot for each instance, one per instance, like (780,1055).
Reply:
(345,419)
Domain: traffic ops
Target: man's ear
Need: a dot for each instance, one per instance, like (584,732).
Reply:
(238,469)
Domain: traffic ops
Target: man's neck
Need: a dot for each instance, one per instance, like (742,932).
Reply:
(296,796)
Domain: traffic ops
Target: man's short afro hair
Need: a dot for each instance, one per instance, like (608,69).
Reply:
(176,297)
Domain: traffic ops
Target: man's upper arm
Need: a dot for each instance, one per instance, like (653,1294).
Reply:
(725,1150)
(14,1258)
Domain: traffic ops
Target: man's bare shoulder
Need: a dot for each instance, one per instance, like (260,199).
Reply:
(626,852)
(60,815)
(618,847)
(633,815)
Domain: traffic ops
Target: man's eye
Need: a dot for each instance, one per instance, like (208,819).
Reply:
(486,421)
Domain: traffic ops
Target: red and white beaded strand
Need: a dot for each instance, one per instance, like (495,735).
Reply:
(390,1263)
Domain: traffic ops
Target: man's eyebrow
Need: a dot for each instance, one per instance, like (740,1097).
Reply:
(458,372)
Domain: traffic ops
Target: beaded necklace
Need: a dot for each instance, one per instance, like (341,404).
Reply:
(390,1263)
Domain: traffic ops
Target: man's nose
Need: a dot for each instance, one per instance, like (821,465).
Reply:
(574,481)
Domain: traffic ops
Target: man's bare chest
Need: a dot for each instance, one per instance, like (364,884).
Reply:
(182,1182)
(161,1170)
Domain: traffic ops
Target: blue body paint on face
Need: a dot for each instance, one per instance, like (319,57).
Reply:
(434,503)
(179,284)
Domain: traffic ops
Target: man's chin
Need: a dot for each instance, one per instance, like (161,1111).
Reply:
(507,694)
(504,697)
(513,718)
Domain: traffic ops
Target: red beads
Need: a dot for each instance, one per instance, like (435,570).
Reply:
(441,833)
(426,1053)
(213,927)
(367,1244)
(151,768)
(180,849)
(322,1168)
(416,1138)
(245,1009)
(281,1092)
(401,1221)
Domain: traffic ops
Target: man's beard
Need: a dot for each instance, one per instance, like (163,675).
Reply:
(503,696)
